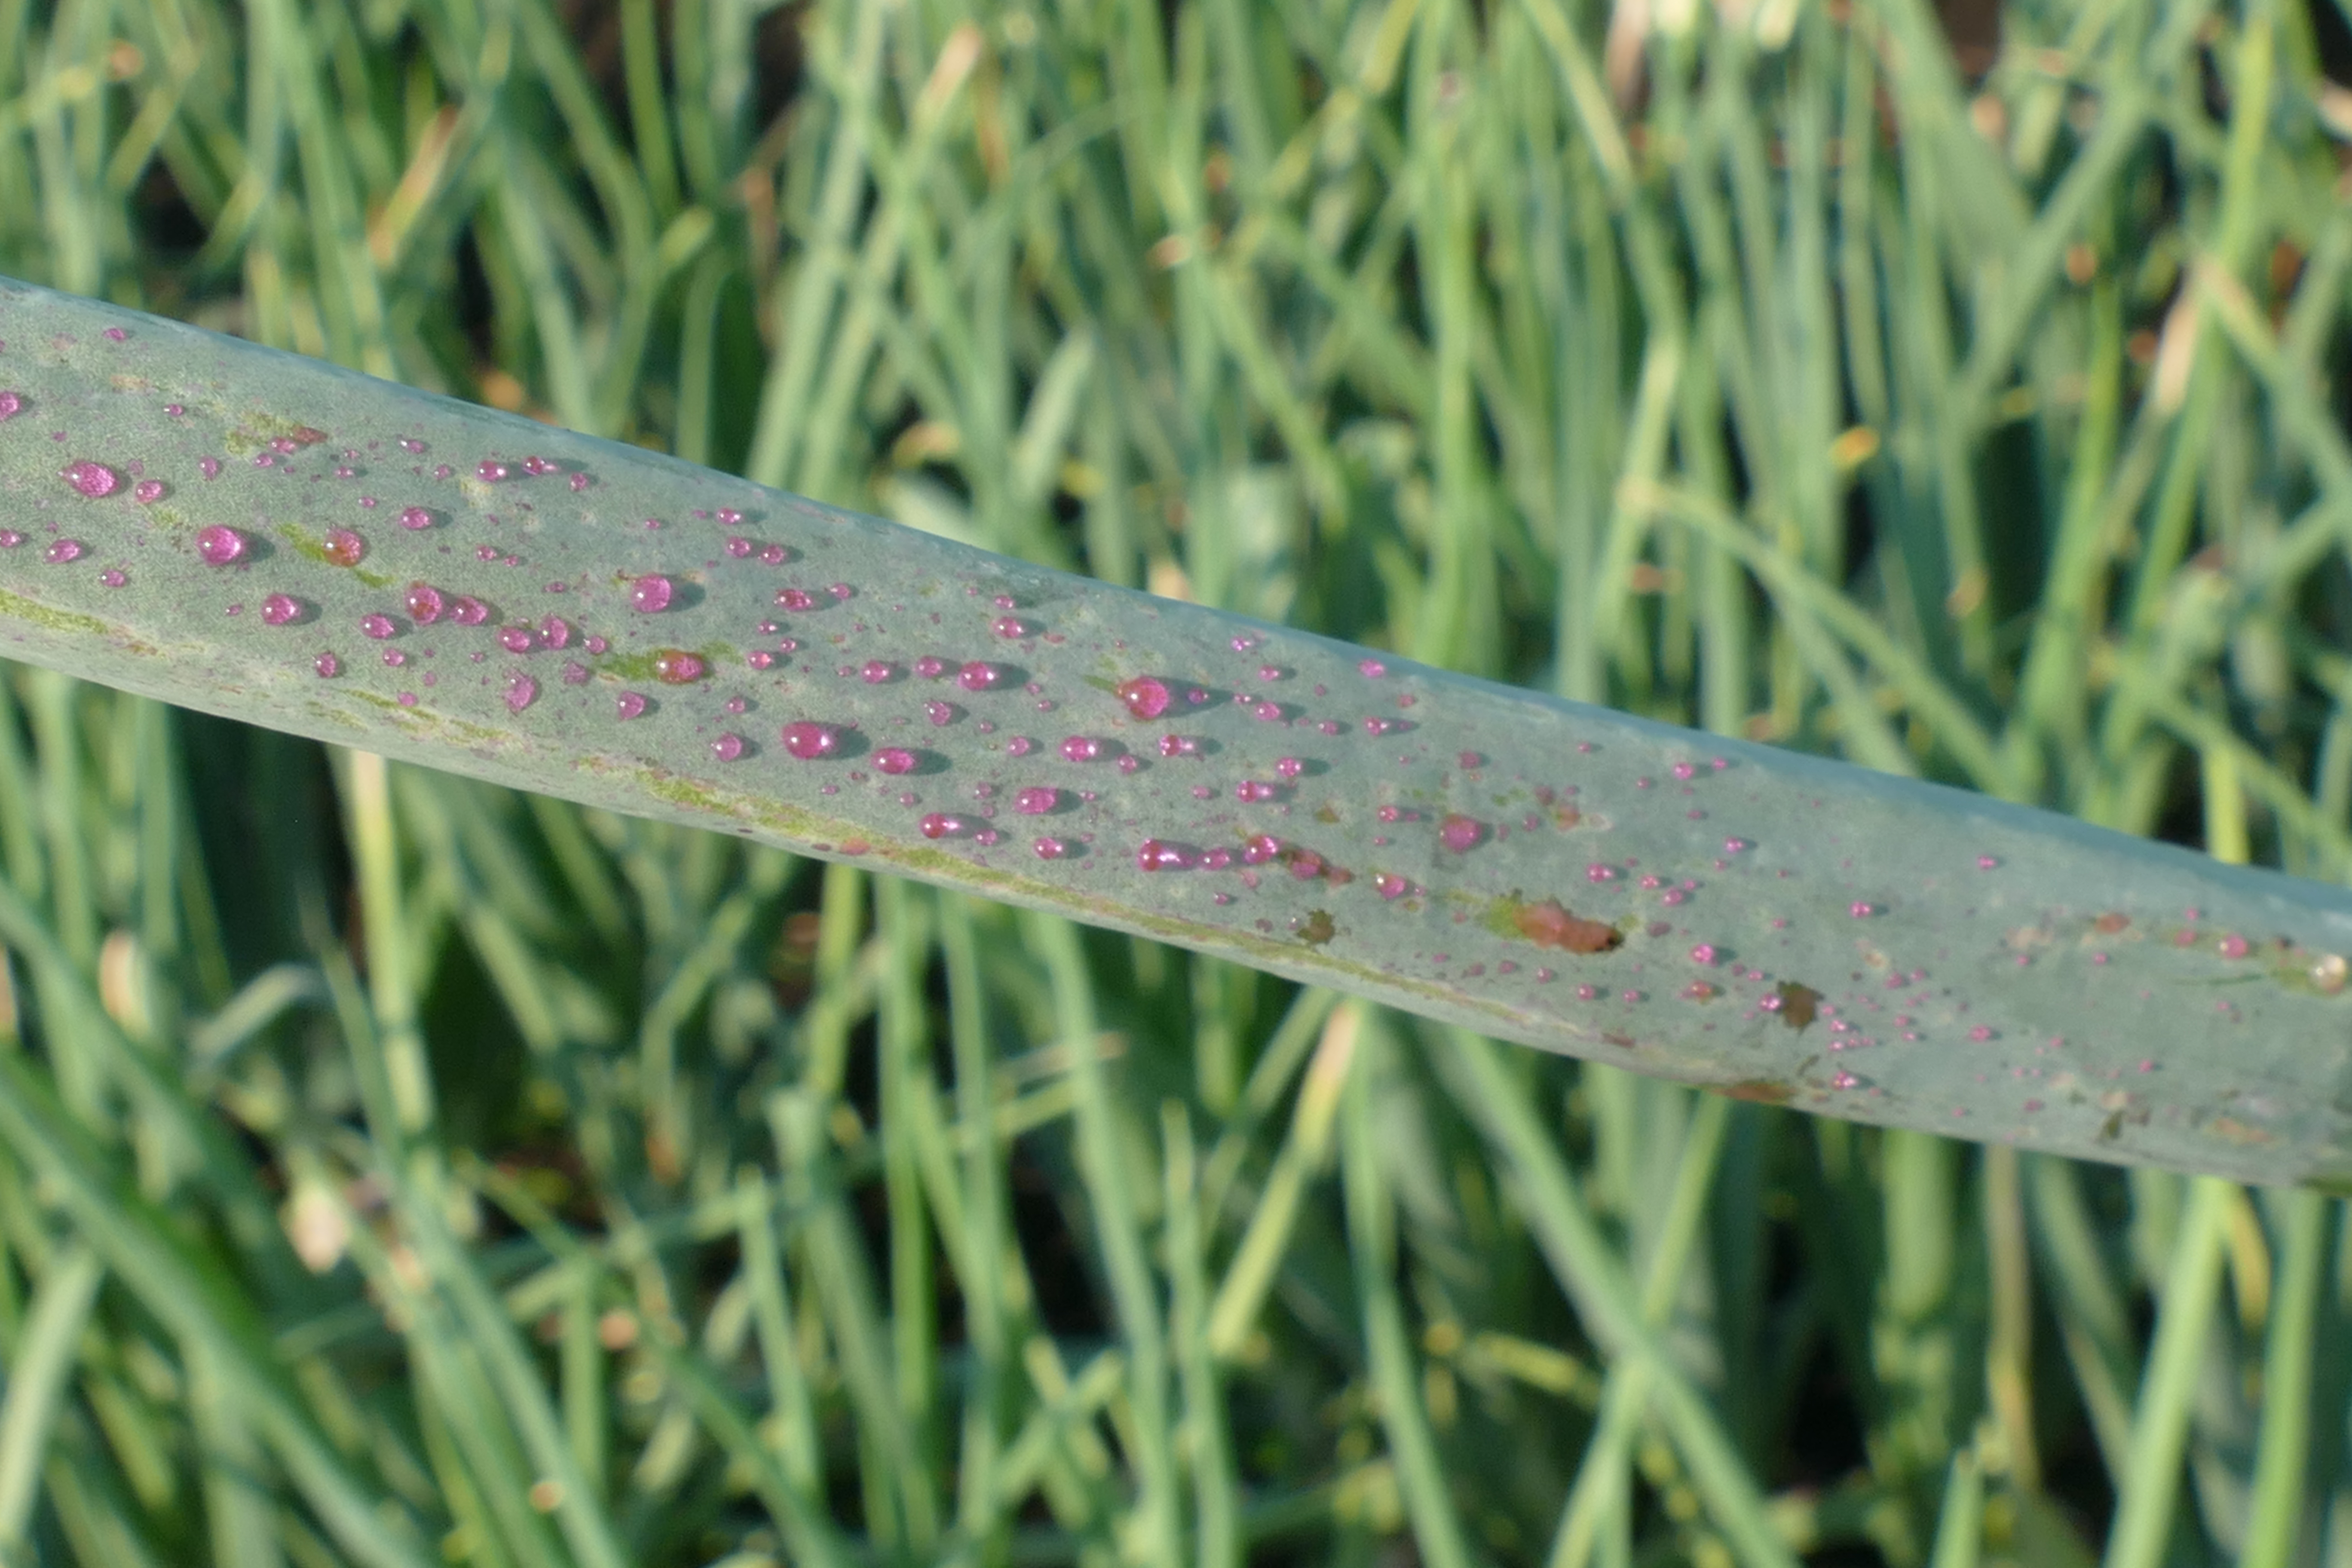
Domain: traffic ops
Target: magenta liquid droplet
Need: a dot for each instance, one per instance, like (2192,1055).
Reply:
(930,668)
(796,599)
(727,747)
(555,632)
(1154,856)
(628,704)
(279,608)
(1461,833)
(939,712)
(521,692)
(1081,748)
(377,626)
(469,612)
(809,741)
(1145,697)
(416,517)
(939,824)
(489,472)
(423,604)
(343,548)
(95,481)
(1253,790)
(978,675)
(62,550)
(210,467)
(1259,849)
(10,404)
(1036,801)
(895,760)
(147,492)
(218,545)
(10,539)
(675,667)
(650,595)
(1050,849)
(1390,884)
(515,639)
(327,665)
(877,671)
(1178,746)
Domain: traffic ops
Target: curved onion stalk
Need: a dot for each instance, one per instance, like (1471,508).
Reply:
(280,542)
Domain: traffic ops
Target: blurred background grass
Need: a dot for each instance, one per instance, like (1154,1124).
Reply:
(394,1170)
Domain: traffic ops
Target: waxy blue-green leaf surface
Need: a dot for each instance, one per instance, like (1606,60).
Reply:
(1781,927)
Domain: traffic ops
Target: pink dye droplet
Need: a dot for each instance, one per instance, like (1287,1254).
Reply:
(1154,856)
(327,665)
(877,671)
(1843,1079)
(796,599)
(675,667)
(377,626)
(1036,801)
(576,673)
(515,639)
(1987,863)
(1012,626)
(1145,697)
(1289,768)
(1597,872)
(840,590)
(279,608)
(1704,952)
(1461,833)
(491,471)
(979,676)
(2234,946)
(1050,849)
(94,479)
(629,704)
(1250,791)
(209,466)
(112,578)
(10,405)
(930,668)
(1178,746)
(147,492)
(521,692)
(895,761)
(939,712)
(1737,846)
(1390,885)
(555,631)
(416,517)
(1862,910)
(218,546)
(809,741)
(738,547)
(343,548)
(468,612)
(1081,748)
(650,595)
(1259,849)
(728,747)
(424,604)
(939,824)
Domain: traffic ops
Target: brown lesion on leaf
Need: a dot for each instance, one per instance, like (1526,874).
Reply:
(1760,1091)
(1551,924)
(1799,1003)
(2111,922)
(1317,929)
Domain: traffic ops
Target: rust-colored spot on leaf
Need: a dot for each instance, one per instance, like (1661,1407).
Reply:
(2111,922)
(1799,1003)
(1548,924)
(1566,817)
(1762,1091)
(1326,813)
(1622,1042)
(2238,1132)
(1316,928)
